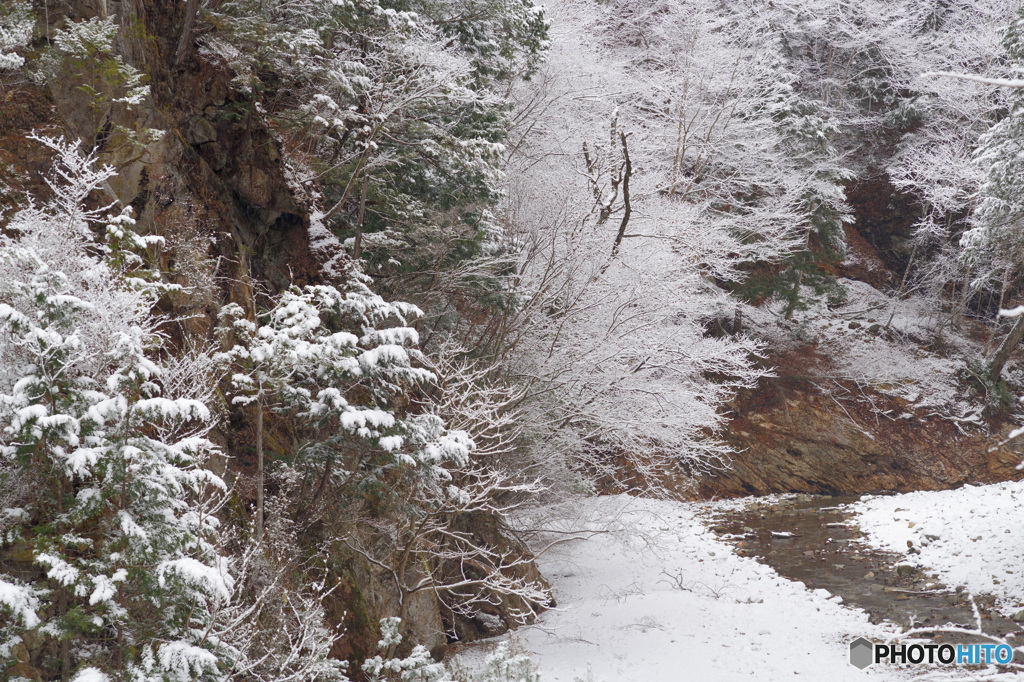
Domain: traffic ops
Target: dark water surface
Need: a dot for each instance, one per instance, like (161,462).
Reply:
(824,553)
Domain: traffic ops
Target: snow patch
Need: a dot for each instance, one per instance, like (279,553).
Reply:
(969,537)
(652,594)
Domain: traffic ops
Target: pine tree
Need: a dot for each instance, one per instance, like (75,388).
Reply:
(16,24)
(994,246)
(340,363)
(120,520)
(807,132)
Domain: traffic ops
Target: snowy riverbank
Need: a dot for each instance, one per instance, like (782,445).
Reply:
(650,594)
(660,598)
(970,537)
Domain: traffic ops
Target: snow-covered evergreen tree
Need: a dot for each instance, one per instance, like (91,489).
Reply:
(995,244)
(300,358)
(121,521)
(16,24)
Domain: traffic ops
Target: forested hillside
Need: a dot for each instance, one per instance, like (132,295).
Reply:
(321,320)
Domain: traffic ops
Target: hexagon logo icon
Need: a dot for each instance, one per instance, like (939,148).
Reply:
(861,653)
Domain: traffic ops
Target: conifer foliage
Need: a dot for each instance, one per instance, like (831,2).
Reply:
(994,243)
(602,242)
(116,515)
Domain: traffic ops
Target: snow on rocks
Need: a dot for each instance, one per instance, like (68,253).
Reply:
(968,537)
(653,595)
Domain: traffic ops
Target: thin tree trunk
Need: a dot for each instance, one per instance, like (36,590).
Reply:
(348,188)
(965,295)
(187,28)
(791,307)
(65,643)
(259,469)
(903,286)
(1002,298)
(1011,341)
(323,484)
(357,245)
(627,207)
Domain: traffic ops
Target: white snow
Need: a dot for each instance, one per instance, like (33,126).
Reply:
(20,601)
(660,598)
(854,339)
(968,537)
(211,580)
(90,675)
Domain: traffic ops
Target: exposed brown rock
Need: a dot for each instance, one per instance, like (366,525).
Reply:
(862,263)
(884,219)
(791,435)
(494,619)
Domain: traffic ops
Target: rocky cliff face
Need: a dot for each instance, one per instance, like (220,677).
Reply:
(797,433)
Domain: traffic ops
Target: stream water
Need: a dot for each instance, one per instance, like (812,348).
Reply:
(808,538)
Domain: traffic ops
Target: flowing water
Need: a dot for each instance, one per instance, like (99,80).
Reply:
(808,538)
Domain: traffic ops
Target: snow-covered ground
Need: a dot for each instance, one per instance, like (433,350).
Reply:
(971,537)
(656,597)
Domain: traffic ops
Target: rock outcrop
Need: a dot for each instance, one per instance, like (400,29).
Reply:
(793,436)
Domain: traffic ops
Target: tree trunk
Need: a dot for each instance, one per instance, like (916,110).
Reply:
(351,181)
(791,306)
(187,27)
(323,484)
(1011,341)
(259,469)
(627,207)
(357,244)
(65,643)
